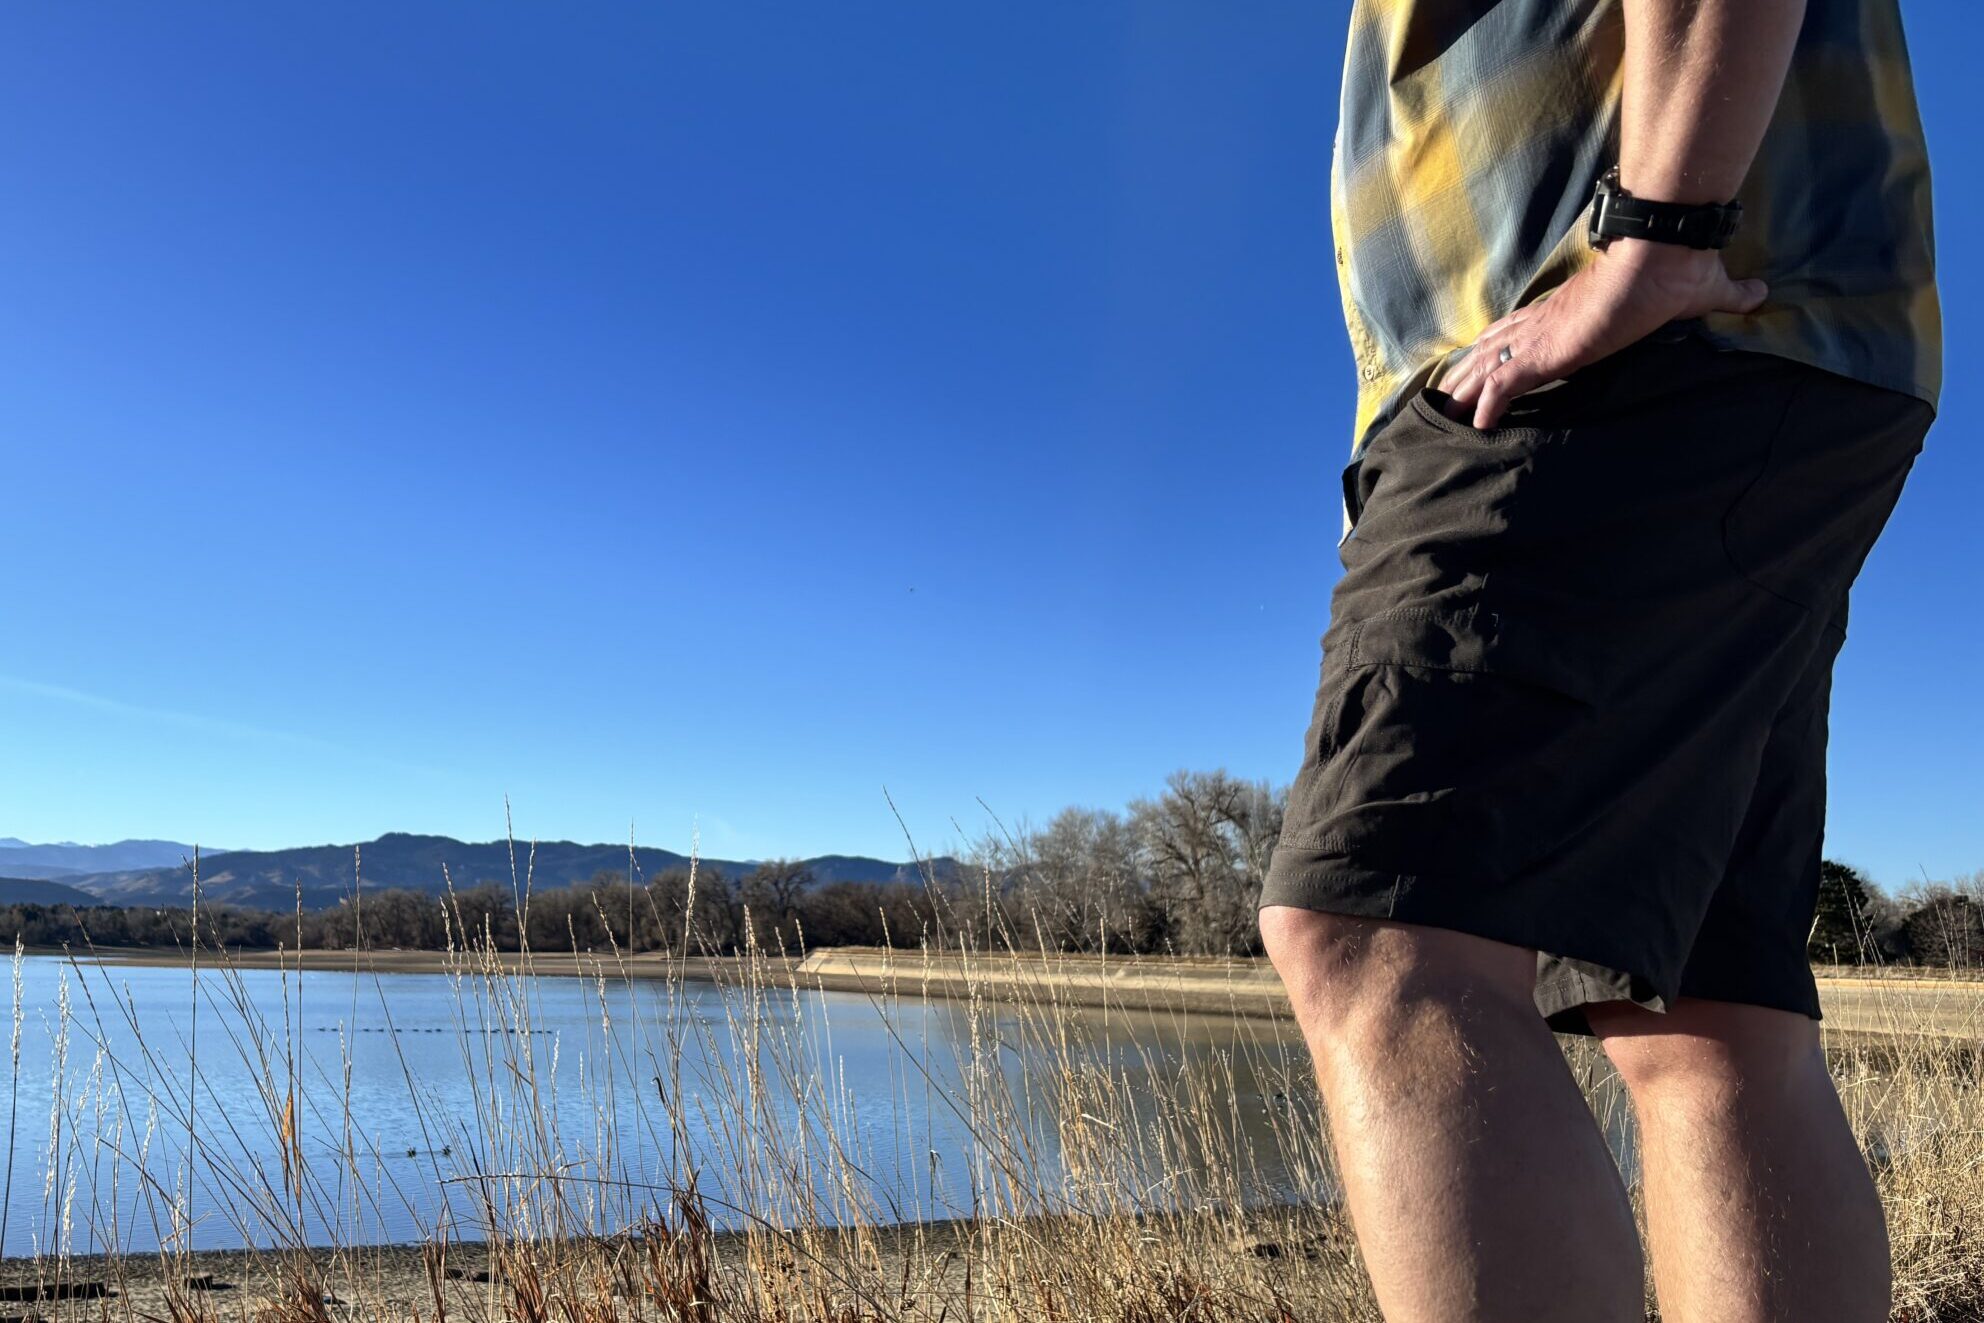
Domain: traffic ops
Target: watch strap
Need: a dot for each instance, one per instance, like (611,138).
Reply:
(1617,214)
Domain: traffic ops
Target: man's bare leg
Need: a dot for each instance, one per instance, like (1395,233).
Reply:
(1479,1185)
(1759,1204)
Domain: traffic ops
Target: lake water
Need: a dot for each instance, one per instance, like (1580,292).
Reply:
(370,1108)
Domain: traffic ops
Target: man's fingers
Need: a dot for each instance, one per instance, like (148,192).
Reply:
(1503,324)
(1487,363)
(1463,385)
(1745,296)
(1513,378)
(1482,359)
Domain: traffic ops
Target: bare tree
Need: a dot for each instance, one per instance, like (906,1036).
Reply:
(1084,884)
(1205,844)
(772,892)
(1945,923)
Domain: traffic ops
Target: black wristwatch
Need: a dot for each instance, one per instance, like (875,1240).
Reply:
(1617,214)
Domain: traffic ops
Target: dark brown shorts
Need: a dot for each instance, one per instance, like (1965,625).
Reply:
(1575,683)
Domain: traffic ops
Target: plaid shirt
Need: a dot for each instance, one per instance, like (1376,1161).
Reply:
(1473,131)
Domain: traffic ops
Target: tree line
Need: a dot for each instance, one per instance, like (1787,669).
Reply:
(1178,872)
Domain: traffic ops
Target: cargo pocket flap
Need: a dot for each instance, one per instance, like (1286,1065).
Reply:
(1475,641)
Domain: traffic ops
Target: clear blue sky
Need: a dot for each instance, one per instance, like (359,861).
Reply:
(713,412)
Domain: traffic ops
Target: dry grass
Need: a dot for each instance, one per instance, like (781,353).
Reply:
(1090,1193)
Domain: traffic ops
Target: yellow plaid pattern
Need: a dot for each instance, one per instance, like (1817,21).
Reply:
(1473,131)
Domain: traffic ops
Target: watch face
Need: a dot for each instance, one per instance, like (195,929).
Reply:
(1601,209)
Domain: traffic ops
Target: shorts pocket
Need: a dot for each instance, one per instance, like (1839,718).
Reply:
(1551,407)
(1428,477)
(1447,743)
(1429,405)
(1474,641)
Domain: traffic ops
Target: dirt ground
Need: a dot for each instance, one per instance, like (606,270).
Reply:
(888,1272)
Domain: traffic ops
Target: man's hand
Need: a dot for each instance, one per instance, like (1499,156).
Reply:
(1702,79)
(1633,289)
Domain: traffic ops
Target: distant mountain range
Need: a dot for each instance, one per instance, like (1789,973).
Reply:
(326,875)
(19,858)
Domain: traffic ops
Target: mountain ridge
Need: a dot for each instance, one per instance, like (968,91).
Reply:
(321,876)
(61,859)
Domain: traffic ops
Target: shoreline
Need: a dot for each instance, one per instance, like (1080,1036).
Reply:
(1856,1003)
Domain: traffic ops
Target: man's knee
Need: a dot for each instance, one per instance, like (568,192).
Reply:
(1707,1049)
(1354,980)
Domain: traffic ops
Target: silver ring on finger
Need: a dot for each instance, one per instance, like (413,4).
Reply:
(1505,355)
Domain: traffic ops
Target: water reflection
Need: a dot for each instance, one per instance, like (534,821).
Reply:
(368,1107)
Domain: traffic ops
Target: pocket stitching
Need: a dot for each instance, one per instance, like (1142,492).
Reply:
(1503,666)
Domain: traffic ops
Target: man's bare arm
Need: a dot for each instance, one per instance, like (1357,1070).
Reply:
(1702,80)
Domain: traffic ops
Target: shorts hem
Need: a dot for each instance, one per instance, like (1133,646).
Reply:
(1750,990)
(1574,971)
